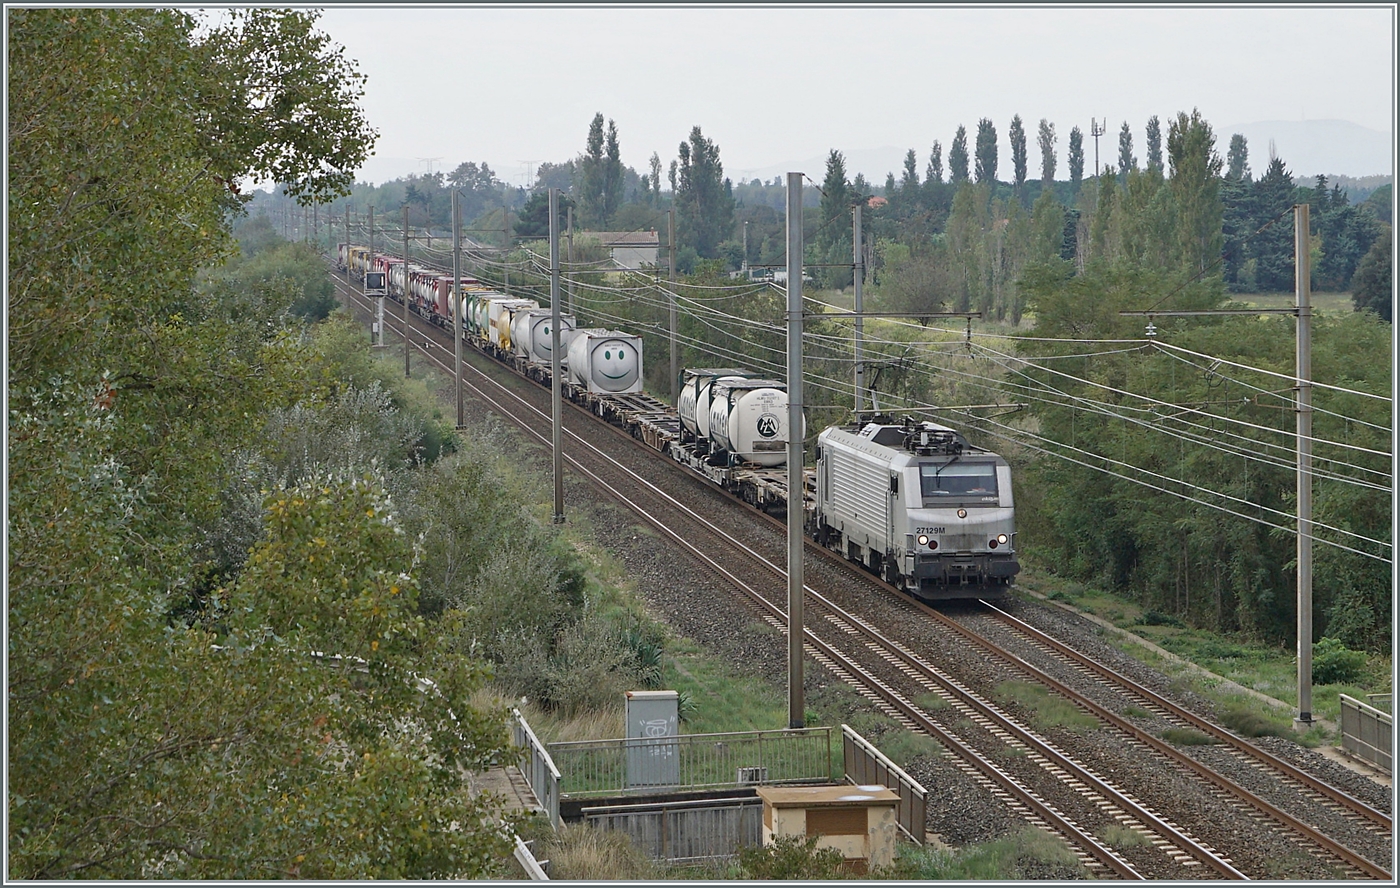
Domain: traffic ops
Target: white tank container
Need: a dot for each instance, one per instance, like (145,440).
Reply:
(748,418)
(500,314)
(479,311)
(694,402)
(531,337)
(606,361)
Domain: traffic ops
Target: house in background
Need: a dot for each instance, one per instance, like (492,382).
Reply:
(630,250)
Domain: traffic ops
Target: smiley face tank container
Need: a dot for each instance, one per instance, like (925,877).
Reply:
(606,361)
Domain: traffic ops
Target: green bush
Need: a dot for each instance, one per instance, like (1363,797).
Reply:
(1335,663)
(791,858)
(1157,618)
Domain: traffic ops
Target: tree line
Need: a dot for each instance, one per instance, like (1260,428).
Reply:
(256,583)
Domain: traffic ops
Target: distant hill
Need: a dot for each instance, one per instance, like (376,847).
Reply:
(1314,147)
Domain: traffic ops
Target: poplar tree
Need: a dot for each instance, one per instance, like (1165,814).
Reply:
(1047,152)
(986,152)
(704,206)
(1154,144)
(1076,160)
(612,176)
(958,157)
(934,174)
(1126,161)
(593,188)
(1195,189)
(1018,156)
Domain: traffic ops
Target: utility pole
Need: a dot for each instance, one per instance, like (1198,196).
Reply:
(456,303)
(1096,129)
(1303,409)
(379,302)
(571,260)
(671,314)
(859,266)
(795,512)
(744,265)
(1303,285)
(406,284)
(505,243)
(555,382)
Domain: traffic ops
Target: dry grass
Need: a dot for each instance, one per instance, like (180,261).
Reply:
(579,852)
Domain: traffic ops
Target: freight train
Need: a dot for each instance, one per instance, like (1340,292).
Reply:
(913,502)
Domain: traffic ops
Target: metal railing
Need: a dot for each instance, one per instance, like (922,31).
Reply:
(704,761)
(685,832)
(1367,732)
(537,767)
(866,765)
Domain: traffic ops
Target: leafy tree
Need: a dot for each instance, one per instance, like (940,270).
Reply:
(934,173)
(1371,287)
(986,151)
(148,738)
(909,182)
(613,179)
(1195,188)
(655,178)
(1076,160)
(1238,159)
(593,167)
(1154,144)
(1018,156)
(1238,217)
(533,219)
(958,157)
(704,202)
(1272,247)
(833,238)
(1126,160)
(1046,141)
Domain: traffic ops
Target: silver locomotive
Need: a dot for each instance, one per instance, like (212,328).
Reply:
(918,505)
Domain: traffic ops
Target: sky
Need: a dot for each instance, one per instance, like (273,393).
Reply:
(783,85)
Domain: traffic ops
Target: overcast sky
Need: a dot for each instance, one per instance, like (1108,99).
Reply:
(514,86)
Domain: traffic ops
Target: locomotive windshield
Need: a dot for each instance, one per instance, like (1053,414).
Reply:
(943,482)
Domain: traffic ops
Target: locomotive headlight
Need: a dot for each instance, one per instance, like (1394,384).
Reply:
(923,539)
(1001,538)
(962,513)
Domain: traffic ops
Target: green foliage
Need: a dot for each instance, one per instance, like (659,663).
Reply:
(790,858)
(1372,286)
(1187,737)
(986,152)
(1335,663)
(1248,721)
(704,204)
(1047,710)
(1024,854)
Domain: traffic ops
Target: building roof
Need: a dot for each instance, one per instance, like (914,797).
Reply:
(627,238)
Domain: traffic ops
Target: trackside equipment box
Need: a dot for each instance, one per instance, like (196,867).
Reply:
(653,723)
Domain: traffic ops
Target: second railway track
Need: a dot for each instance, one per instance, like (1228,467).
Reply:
(1029,772)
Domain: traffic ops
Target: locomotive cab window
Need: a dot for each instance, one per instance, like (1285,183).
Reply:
(961,481)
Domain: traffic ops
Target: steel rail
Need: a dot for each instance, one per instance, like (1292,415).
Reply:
(1061,824)
(1343,799)
(1225,868)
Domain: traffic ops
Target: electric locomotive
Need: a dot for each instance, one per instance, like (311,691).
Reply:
(918,505)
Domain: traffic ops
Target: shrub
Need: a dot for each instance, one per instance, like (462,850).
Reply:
(790,858)
(1157,618)
(1335,663)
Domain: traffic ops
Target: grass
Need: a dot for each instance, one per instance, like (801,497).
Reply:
(1047,710)
(1120,838)
(1187,737)
(1026,851)
(1231,663)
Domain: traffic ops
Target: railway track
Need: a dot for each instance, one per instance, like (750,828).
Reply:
(1046,785)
